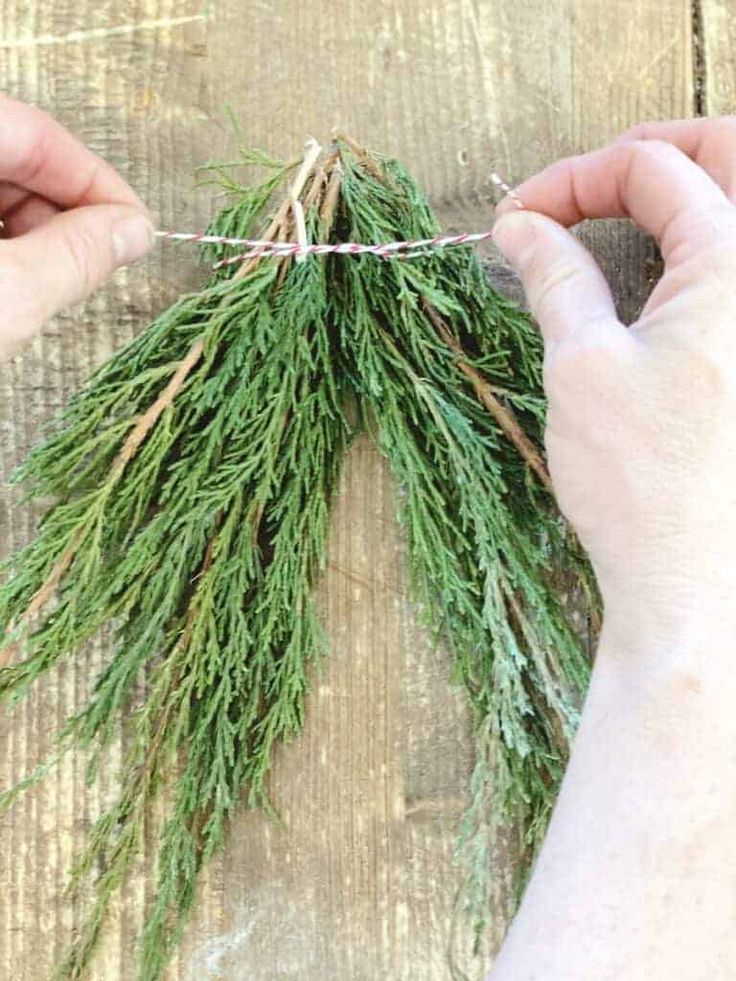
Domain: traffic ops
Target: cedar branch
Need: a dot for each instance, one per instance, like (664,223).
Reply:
(136,436)
(148,420)
(503,415)
(44,593)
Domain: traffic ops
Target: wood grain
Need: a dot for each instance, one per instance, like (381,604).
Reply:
(360,886)
(718,27)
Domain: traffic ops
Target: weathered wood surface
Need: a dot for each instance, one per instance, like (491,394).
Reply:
(361,885)
(716,62)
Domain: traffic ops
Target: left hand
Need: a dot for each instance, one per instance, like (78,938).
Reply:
(68,220)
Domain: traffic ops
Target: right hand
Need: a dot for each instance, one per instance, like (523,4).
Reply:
(641,434)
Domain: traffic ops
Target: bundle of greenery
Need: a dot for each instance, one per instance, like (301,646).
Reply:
(192,479)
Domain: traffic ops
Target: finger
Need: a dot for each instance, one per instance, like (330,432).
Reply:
(564,285)
(37,153)
(710,143)
(28,214)
(64,259)
(649,181)
(12,197)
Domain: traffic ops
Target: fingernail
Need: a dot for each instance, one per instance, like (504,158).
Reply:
(512,233)
(131,238)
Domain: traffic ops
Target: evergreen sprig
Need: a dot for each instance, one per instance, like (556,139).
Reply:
(193,477)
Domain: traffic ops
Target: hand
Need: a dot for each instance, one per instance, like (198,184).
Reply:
(641,431)
(68,221)
(635,879)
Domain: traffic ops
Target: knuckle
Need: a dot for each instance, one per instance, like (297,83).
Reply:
(711,277)
(652,149)
(703,231)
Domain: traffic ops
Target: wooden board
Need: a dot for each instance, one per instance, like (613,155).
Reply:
(361,885)
(717,27)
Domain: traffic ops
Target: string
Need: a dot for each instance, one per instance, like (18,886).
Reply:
(260,248)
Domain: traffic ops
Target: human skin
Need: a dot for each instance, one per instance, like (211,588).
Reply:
(68,221)
(636,880)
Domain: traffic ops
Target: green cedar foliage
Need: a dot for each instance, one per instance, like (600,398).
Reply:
(192,479)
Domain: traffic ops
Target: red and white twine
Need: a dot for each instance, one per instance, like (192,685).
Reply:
(259,248)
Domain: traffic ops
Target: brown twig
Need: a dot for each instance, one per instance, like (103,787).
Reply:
(283,216)
(364,156)
(486,394)
(206,565)
(503,415)
(150,417)
(546,661)
(44,593)
(331,197)
(316,186)
(322,173)
(136,436)
(271,233)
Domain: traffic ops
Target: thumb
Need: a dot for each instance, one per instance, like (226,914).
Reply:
(565,287)
(64,259)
